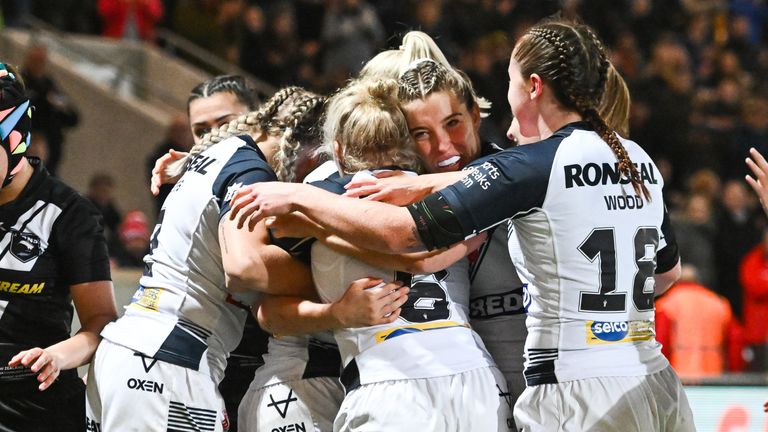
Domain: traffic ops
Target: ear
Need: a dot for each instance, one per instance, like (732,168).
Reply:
(537,85)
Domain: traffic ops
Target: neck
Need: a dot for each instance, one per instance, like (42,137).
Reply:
(13,190)
(556,119)
(269,148)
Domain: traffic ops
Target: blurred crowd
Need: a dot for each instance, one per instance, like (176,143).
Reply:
(698,104)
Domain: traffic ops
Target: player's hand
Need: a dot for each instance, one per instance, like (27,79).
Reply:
(159,177)
(41,362)
(369,302)
(254,202)
(393,187)
(295,225)
(757,163)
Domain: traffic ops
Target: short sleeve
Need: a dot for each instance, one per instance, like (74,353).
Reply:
(668,254)
(82,246)
(497,187)
(246,166)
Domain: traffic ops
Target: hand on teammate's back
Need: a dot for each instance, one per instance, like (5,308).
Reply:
(159,177)
(369,302)
(254,202)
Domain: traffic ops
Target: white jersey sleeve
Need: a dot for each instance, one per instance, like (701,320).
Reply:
(589,244)
(182,312)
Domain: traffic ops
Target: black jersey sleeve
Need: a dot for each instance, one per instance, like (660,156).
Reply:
(246,166)
(79,235)
(668,256)
(508,184)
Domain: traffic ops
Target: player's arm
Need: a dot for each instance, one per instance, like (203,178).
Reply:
(480,201)
(297,225)
(668,268)
(252,263)
(378,225)
(666,279)
(364,304)
(83,264)
(400,189)
(95,305)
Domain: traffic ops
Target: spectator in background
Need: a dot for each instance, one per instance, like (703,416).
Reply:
(351,35)
(695,232)
(53,110)
(739,227)
(178,137)
(130,19)
(101,193)
(696,327)
(133,236)
(754,278)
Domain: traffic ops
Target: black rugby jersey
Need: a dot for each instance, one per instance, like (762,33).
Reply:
(50,238)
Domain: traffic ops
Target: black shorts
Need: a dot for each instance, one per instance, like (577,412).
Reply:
(60,408)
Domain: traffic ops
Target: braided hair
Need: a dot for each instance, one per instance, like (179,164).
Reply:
(406,61)
(234,84)
(572,60)
(15,121)
(293,114)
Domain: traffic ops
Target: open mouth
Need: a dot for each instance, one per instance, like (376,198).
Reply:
(448,162)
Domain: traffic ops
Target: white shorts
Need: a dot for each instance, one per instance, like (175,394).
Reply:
(127,391)
(647,403)
(472,401)
(291,405)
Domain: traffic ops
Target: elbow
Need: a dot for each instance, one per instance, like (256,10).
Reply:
(264,320)
(665,280)
(244,275)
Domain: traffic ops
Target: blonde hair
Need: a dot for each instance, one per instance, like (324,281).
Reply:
(416,48)
(292,113)
(614,105)
(365,120)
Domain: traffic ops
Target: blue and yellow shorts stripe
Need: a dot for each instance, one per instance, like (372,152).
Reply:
(390,333)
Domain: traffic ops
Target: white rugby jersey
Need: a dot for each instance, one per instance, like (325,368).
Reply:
(431,337)
(590,248)
(496,309)
(291,358)
(182,312)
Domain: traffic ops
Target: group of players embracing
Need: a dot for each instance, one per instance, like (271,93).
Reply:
(413,276)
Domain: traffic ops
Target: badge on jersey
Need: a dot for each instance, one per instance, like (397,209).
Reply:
(25,246)
(605,332)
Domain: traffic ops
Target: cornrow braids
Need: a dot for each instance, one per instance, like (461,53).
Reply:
(572,60)
(275,117)
(234,84)
(426,76)
(420,79)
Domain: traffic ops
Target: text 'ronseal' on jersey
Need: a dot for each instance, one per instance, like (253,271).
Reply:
(592,174)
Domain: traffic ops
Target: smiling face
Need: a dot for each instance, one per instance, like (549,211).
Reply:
(444,130)
(210,112)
